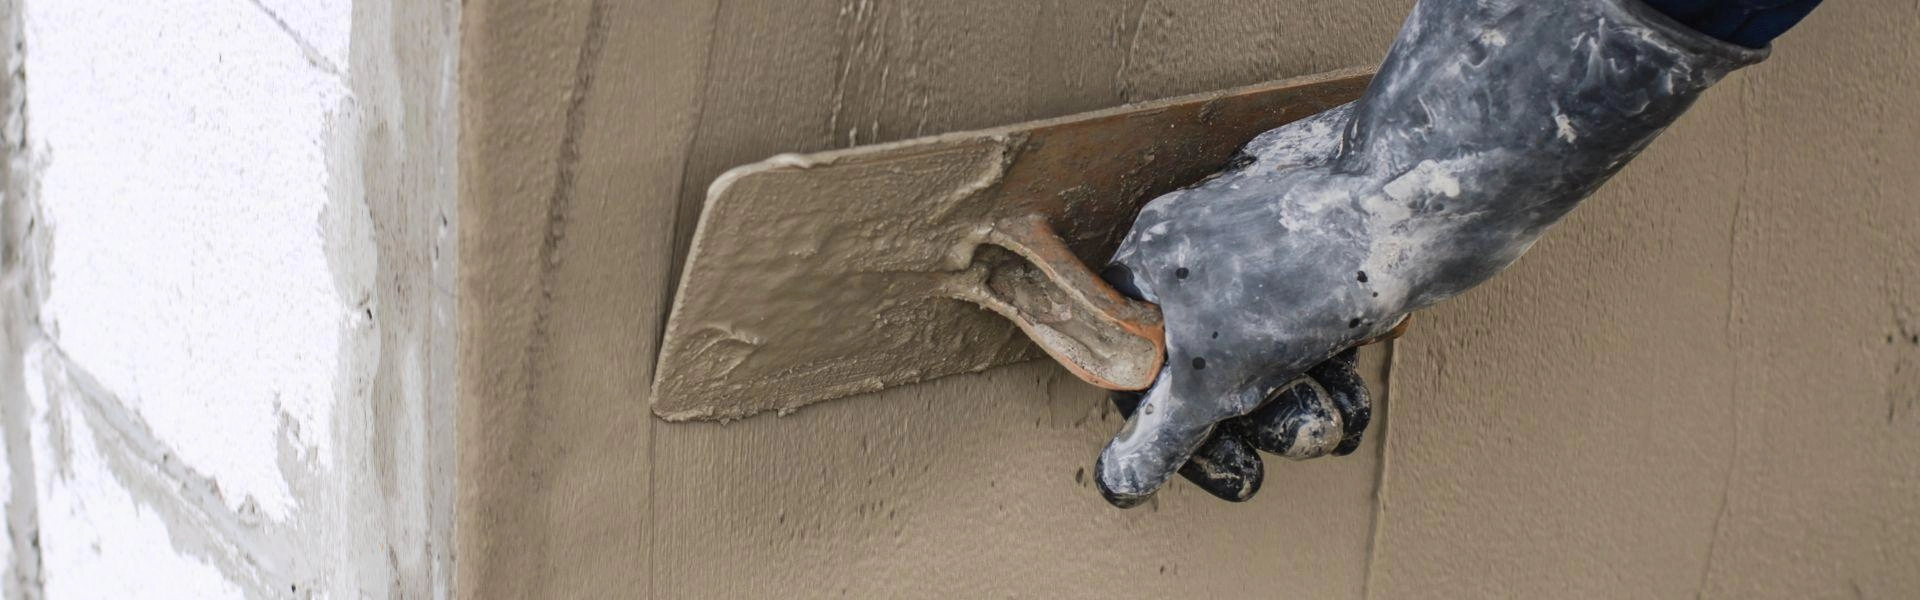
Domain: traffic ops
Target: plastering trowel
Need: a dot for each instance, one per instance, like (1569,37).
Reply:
(813,277)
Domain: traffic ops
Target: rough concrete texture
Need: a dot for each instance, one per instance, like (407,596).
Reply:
(1703,383)
(229,268)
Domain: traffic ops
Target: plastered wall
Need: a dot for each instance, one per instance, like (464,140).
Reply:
(227,361)
(1702,384)
(1706,378)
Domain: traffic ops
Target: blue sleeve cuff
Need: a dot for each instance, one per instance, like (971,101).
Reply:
(1750,23)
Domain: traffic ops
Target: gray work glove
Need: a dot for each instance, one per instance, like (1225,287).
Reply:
(1487,123)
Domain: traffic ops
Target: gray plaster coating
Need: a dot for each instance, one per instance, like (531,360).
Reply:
(1487,123)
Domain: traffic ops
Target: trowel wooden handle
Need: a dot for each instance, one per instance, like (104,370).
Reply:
(1026,273)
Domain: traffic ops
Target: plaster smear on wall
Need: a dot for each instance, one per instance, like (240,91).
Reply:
(184,152)
(97,539)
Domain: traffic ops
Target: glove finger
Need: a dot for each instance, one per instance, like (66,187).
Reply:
(1154,444)
(1348,393)
(1225,465)
(1298,423)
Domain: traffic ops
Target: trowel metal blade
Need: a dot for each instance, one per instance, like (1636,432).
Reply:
(813,277)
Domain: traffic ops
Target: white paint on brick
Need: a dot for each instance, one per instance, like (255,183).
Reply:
(185,145)
(96,539)
(241,387)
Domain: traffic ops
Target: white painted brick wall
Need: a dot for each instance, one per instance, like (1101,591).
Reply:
(198,375)
(98,538)
(184,147)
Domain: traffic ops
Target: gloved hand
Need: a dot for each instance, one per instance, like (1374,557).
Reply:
(1489,121)
(1327,409)
(1261,343)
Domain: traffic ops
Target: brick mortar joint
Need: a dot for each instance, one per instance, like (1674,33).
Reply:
(23,252)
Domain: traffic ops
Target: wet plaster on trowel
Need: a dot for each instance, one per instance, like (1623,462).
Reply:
(238,373)
(824,275)
(875,253)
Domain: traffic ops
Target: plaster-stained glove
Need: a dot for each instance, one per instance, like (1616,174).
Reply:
(1488,122)
(1324,412)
